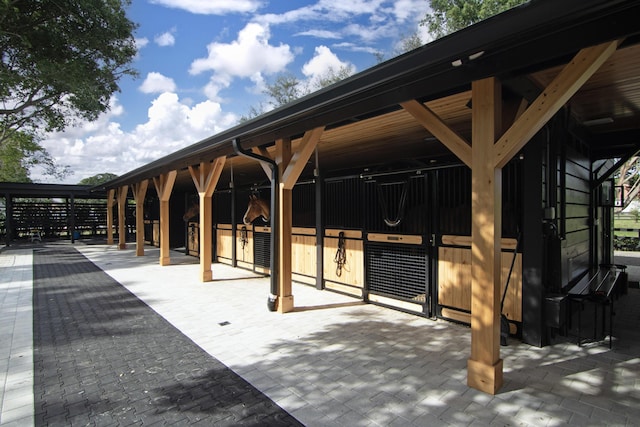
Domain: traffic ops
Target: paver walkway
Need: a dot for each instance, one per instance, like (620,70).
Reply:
(334,361)
(103,357)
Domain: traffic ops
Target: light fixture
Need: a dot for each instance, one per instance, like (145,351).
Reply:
(596,122)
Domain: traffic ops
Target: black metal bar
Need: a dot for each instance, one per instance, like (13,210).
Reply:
(319,231)
(273,296)
(234,224)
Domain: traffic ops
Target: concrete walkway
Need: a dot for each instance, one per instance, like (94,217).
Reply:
(338,362)
(16,338)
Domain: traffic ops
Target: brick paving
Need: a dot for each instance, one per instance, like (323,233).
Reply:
(333,362)
(103,357)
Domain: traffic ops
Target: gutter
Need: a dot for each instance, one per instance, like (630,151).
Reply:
(273,247)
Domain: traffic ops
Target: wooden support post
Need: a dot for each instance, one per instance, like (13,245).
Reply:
(485,366)
(164,186)
(139,193)
(122,216)
(110,201)
(284,303)
(290,166)
(205,177)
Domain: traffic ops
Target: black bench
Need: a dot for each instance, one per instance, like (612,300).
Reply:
(600,287)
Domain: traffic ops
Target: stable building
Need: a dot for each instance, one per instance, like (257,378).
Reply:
(427,183)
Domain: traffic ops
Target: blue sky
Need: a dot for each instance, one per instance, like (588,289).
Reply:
(203,63)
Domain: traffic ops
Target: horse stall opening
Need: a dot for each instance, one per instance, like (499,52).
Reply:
(397,220)
(454,249)
(343,246)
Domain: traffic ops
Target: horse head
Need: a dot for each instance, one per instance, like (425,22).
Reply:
(257,207)
(193,211)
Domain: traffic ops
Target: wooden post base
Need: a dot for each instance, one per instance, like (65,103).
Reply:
(165,261)
(122,246)
(483,377)
(285,304)
(207,276)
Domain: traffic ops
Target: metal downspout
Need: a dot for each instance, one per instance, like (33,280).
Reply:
(273,262)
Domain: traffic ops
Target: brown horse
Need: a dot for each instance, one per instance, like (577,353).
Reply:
(193,211)
(257,207)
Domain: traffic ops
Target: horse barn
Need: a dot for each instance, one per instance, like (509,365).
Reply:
(428,182)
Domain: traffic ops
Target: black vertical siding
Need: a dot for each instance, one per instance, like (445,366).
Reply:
(575,214)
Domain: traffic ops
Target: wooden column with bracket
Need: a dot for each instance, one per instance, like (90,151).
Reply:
(486,160)
(164,186)
(139,193)
(205,177)
(110,201)
(484,367)
(122,216)
(284,303)
(290,166)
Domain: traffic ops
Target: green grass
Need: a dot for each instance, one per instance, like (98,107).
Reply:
(626,221)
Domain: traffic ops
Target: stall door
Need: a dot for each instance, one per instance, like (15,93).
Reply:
(397,245)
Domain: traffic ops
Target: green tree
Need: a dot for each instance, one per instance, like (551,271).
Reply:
(448,16)
(407,43)
(61,61)
(19,153)
(284,89)
(98,179)
(331,76)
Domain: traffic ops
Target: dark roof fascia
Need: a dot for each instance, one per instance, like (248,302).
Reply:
(536,34)
(17,189)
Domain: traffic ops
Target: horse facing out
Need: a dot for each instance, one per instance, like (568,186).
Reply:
(257,207)
(193,211)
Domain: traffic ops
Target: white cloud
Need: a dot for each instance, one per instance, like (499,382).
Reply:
(165,39)
(102,146)
(212,7)
(141,42)
(249,56)
(323,64)
(321,34)
(362,22)
(157,83)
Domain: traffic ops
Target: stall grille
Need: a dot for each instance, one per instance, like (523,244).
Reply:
(261,251)
(398,271)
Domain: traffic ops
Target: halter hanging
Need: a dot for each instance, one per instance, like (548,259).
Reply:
(382,200)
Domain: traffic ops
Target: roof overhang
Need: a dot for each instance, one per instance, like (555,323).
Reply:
(16,189)
(535,36)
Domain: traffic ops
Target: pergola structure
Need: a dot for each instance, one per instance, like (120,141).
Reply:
(71,193)
(479,95)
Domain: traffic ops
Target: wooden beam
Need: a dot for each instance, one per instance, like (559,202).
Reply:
(110,202)
(139,193)
(264,153)
(432,123)
(301,157)
(164,186)
(484,365)
(206,177)
(547,104)
(122,216)
(284,303)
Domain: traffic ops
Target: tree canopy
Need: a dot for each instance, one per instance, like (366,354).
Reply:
(448,16)
(98,179)
(19,153)
(61,60)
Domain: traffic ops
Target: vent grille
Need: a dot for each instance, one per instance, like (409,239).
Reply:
(261,249)
(398,271)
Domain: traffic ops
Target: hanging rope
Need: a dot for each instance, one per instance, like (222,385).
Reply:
(341,254)
(385,211)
